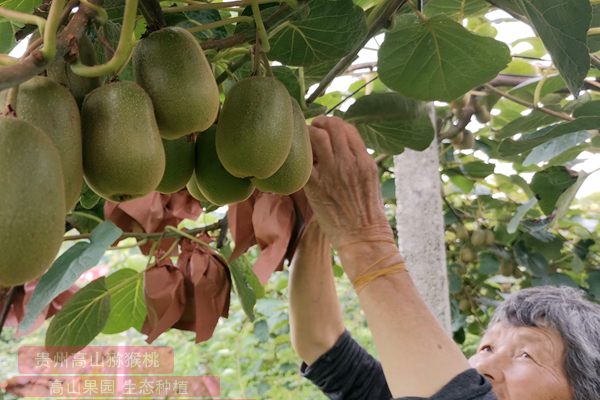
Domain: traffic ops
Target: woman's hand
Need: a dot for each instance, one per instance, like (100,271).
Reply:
(344,189)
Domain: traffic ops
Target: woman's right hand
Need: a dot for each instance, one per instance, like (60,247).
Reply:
(343,189)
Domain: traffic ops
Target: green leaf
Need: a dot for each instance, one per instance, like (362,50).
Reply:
(88,198)
(82,317)
(489,264)
(438,59)
(456,9)
(555,147)
(528,123)
(67,268)
(566,198)
(389,122)
(594,282)
(246,283)
(388,189)
(198,18)
(477,169)
(521,212)
(554,279)
(128,307)
(549,247)
(261,330)
(325,30)
(9,28)
(590,109)
(290,81)
(510,147)
(549,184)
(463,183)
(594,40)
(534,262)
(563,27)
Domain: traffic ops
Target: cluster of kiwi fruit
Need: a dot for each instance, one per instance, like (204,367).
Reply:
(127,139)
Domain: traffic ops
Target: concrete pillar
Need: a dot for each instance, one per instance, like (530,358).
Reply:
(420,225)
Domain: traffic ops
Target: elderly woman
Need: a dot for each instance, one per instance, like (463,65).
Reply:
(542,343)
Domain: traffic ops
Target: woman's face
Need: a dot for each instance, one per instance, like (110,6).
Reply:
(523,363)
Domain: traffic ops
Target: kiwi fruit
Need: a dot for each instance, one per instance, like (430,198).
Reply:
(214,182)
(255,129)
(179,165)
(295,171)
(171,66)
(50,106)
(123,155)
(478,237)
(32,202)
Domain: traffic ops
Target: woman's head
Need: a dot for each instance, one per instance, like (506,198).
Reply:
(562,330)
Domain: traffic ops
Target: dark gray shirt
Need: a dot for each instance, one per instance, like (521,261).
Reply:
(348,372)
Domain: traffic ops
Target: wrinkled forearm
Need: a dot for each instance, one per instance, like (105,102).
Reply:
(417,355)
(315,314)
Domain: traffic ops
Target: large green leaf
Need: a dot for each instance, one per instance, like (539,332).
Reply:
(456,9)
(555,147)
(563,27)
(549,184)
(510,147)
(81,319)
(8,28)
(438,59)
(67,268)
(128,307)
(324,30)
(389,122)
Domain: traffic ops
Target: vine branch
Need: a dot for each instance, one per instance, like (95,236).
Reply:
(557,114)
(9,299)
(34,63)
(153,14)
(154,235)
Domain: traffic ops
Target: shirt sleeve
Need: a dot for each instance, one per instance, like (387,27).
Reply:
(348,372)
(468,385)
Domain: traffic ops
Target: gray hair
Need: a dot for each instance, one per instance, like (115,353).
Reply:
(576,319)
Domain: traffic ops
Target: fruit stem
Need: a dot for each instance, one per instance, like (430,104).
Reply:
(217,24)
(86,215)
(195,6)
(265,64)
(593,31)
(101,14)
(5,59)
(123,51)
(417,11)
(17,16)
(260,27)
(537,94)
(188,236)
(52,24)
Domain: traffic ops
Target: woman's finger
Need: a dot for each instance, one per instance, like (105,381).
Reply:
(344,136)
(321,147)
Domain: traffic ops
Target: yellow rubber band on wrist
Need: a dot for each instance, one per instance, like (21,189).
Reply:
(366,278)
